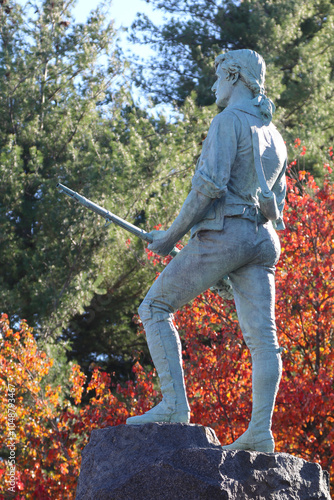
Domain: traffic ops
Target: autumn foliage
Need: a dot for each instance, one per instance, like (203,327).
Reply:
(52,426)
(51,429)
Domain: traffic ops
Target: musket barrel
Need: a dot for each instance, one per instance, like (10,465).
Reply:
(140,233)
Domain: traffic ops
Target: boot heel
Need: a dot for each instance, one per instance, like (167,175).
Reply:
(265,447)
(180,418)
(250,442)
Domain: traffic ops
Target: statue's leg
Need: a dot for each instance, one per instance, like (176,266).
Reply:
(191,272)
(254,292)
(166,352)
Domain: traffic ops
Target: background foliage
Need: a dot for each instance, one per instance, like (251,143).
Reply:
(64,119)
(52,427)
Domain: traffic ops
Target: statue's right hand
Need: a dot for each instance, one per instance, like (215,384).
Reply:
(161,244)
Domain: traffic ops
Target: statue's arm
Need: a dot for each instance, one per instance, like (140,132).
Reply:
(193,210)
(209,182)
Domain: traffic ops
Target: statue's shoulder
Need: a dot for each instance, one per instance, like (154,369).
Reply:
(225,118)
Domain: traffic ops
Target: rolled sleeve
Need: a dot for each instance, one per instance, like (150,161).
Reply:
(204,184)
(218,155)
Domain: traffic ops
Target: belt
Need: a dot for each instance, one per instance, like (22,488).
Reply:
(253,214)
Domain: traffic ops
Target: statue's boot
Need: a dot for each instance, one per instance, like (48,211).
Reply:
(266,375)
(165,348)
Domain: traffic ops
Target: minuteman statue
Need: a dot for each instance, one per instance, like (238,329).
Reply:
(233,210)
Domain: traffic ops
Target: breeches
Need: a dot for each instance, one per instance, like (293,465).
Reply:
(247,256)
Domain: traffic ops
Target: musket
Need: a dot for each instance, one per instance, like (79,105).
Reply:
(223,286)
(140,233)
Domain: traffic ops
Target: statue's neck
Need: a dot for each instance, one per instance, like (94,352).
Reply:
(240,93)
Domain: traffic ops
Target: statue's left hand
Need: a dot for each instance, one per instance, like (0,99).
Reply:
(162,244)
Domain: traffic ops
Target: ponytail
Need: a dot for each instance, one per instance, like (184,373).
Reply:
(267,107)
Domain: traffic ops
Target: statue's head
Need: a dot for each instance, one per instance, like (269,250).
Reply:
(245,64)
(248,67)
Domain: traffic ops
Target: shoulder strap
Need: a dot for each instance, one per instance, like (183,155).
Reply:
(257,158)
(258,162)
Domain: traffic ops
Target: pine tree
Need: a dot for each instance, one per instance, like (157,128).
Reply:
(51,82)
(153,162)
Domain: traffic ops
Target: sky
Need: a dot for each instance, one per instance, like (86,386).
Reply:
(123,12)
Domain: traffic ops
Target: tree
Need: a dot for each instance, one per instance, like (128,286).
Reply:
(305,321)
(51,81)
(294,37)
(152,162)
(54,423)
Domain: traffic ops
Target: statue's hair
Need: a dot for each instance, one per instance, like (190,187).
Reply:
(251,69)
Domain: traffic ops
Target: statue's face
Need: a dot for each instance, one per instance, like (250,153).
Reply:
(223,87)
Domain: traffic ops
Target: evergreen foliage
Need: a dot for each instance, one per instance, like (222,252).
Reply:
(50,84)
(152,163)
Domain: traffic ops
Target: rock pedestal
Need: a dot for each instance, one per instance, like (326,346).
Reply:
(187,462)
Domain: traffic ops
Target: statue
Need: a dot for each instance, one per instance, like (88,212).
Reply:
(233,211)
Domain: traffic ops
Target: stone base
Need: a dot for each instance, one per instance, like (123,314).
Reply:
(187,462)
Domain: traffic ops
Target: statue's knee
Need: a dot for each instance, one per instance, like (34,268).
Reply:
(261,339)
(144,311)
(153,310)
